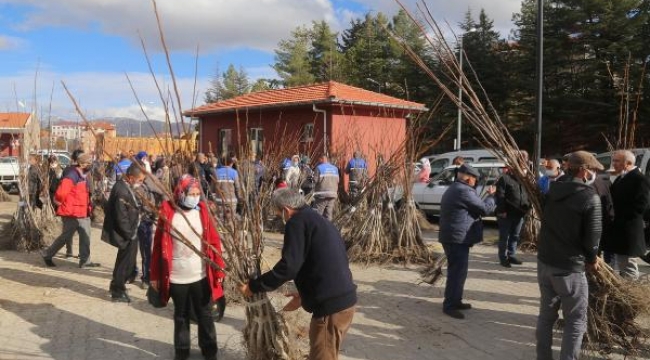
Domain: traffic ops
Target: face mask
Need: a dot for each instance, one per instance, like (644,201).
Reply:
(54,165)
(550,173)
(191,202)
(86,169)
(295,163)
(591,177)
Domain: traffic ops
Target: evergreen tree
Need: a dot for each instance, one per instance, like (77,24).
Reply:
(228,85)
(292,61)
(324,55)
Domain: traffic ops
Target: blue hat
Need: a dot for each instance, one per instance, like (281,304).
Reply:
(141,155)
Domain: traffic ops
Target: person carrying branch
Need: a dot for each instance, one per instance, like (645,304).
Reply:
(120,229)
(568,243)
(314,256)
(178,272)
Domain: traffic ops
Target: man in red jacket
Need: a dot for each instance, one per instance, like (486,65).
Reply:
(73,201)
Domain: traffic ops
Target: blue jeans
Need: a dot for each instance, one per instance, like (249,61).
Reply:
(509,229)
(145,238)
(570,291)
(457,263)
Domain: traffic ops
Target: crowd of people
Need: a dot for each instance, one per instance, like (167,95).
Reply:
(161,208)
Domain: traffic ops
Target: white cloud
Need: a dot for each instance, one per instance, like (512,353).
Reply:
(500,11)
(98,94)
(10,42)
(214,24)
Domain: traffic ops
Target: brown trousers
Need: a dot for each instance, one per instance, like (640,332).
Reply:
(326,334)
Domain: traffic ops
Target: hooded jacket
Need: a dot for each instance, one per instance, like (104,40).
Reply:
(571,226)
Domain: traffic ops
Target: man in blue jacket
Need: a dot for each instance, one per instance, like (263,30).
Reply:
(460,228)
(314,256)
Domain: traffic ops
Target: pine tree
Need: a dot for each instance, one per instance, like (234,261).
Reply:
(292,62)
(228,85)
(324,55)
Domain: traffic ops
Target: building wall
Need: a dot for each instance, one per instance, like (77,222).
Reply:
(282,131)
(371,130)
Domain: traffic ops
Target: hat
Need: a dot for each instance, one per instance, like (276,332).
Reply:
(305,159)
(467,169)
(140,155)
(584,159)
(84,159)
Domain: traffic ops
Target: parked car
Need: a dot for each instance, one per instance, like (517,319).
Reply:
(9,172)
(427,196)
(642,159)
(63,157)
(442,161)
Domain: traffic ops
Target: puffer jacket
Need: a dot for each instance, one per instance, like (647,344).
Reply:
(571,226)
(511,197)
(72,197)
(326,176)
(461,210)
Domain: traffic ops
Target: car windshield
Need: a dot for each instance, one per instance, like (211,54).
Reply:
(489,175)
(7,160)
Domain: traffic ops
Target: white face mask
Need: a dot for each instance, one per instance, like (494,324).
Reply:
(591,177)
(550,173)
(191,202)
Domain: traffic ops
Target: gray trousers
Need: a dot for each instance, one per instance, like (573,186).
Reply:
(325,207)
(626,266)
(70,225)
(569,290)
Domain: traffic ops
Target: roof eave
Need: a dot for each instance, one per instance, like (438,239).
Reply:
(302,103)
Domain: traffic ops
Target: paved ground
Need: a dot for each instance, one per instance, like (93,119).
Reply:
(65,313)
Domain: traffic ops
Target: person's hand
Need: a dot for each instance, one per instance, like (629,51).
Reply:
(245,290)
(491,190)
(294,304)
(595,267)
(155,285)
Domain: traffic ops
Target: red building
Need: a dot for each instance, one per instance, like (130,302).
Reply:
(330,117)
(17,131)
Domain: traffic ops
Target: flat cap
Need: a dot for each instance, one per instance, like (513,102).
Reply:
(469,170)
(583,159)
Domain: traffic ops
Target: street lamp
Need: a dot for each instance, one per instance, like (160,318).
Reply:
(460,90)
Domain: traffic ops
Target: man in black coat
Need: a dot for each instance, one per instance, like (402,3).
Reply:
(34,183)
(314,256)
(631,197)
(120,229)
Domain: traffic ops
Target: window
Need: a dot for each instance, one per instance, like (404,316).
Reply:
(225,142)
(438,165)
(307,133)
(256,140)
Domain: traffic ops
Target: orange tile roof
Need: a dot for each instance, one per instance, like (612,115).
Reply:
(13,120)
(102,125)
(329,92)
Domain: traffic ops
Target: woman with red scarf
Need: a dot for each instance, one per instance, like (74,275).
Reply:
(177,272)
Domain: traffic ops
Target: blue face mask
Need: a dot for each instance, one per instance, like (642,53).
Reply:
(191,202)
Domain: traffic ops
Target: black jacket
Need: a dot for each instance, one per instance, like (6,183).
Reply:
(571,226)
(511,197)
(121,216)
(631,198)
(314,256)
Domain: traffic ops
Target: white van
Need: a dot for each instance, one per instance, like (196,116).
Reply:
(642,159)
(442,161)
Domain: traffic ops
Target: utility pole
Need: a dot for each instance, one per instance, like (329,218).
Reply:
(540,83)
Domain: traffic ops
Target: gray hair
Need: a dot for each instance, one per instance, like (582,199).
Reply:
(554,163)
(628,156)
(289,198)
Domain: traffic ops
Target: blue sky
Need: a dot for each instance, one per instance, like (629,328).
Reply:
(91,44)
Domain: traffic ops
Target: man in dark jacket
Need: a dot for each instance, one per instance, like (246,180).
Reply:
(568,241)
(631,198)
(34,183)
(460,228)
(120,229)
(512,205)
(314,256)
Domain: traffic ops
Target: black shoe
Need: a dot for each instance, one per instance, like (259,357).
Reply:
(455,313)
(219,309)
(122,297)
(514,261)
(463,306)
(89,265)
(645,258)
(182,354)
(48,260)
(131,279)
(505,263)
